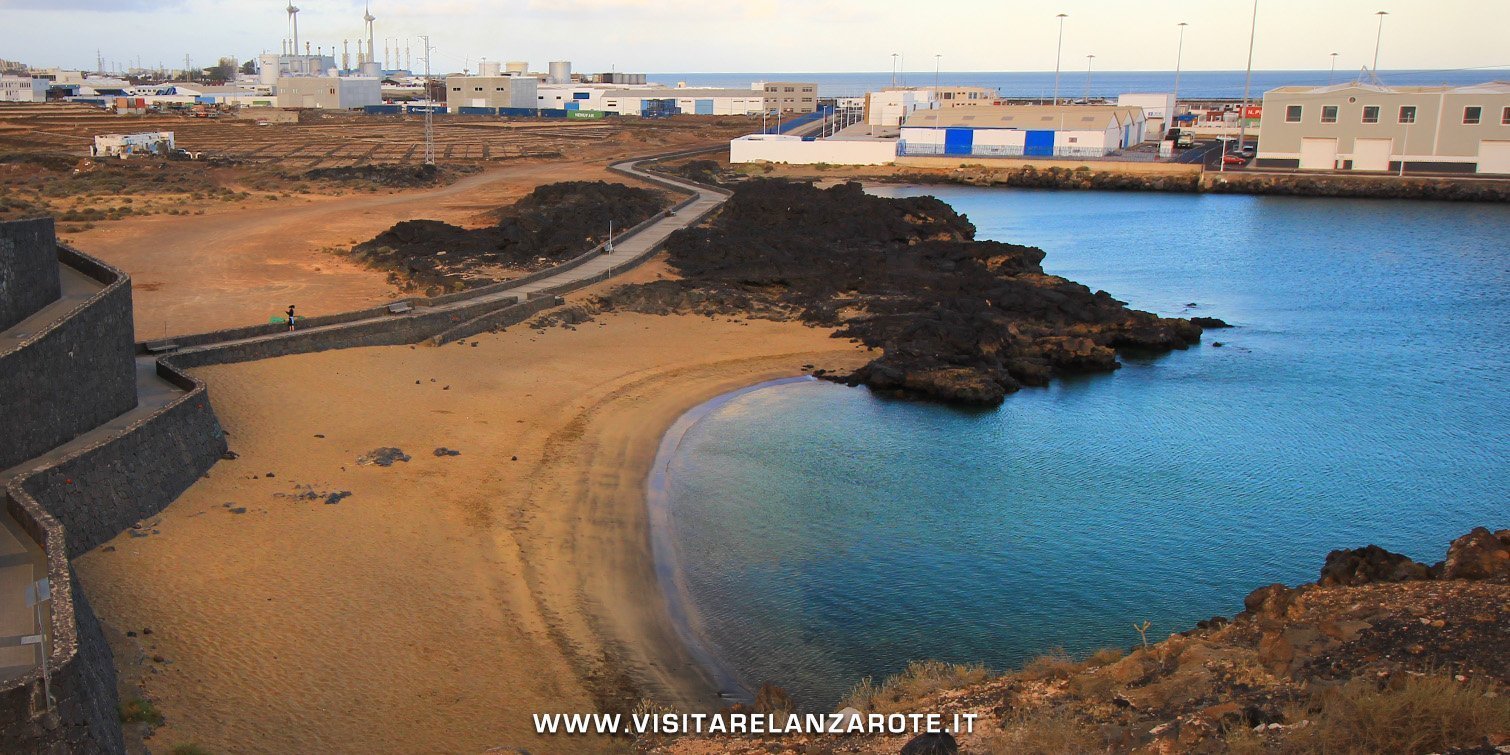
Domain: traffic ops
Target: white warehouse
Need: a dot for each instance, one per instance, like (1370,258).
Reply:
(1022,131)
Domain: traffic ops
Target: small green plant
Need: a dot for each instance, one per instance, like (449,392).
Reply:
(1143,631)
(141,710)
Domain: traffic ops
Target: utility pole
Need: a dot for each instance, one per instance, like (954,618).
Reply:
(1379,38)
(188,70)
(429,108)
(1333,74)
(893,69)
(1059,51)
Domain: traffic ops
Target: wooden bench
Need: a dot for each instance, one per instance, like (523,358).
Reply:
(400,307)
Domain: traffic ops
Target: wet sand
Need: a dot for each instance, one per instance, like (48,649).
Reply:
(449,597)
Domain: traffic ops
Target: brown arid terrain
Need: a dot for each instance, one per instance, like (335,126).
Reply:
(1380,655)
(446,597)
(259,221)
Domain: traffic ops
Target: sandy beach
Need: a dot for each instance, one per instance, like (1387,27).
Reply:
(449,597)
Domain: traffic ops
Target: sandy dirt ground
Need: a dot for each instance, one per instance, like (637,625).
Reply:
(238,265)
(448,597)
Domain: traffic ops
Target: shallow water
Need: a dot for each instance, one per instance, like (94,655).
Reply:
(824,534)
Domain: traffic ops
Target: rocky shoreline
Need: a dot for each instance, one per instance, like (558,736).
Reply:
(956,319)
(1380,654)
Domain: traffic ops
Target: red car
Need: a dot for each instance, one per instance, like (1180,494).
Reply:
(1233,159)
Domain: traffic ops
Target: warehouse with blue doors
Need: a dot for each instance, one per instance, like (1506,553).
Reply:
(1022,131)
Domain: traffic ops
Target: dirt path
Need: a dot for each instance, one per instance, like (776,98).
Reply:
(242,263)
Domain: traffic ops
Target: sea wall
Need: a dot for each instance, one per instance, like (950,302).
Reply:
(1131,177)
(73,374)
(1376,186)
(28,269)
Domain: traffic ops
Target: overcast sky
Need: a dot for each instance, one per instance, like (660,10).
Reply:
(780,35)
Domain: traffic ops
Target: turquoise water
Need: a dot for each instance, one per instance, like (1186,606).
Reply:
(823,534)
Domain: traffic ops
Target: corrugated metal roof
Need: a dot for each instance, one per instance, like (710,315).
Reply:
(1026,116)
(1488,87)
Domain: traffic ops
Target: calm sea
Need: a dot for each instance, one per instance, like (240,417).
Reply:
(1025,84)
(824,534)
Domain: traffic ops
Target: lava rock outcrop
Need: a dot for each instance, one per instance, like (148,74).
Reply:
(957,319)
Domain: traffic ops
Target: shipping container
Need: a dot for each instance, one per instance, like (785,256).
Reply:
(585,115)
(383,109)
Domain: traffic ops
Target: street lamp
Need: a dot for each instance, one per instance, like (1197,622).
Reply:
(1377,38)
(1178,54)
(1333,75)
(1057,52)
(1242,119)
(1088,60)
(893,69)
(938,59)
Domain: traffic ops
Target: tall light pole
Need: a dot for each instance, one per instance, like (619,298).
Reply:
(1057,52)
(1088,60)
(1179,52)
(893,69)
(1378,38)
(938,60)
(429,104)
(1330,77)
(1242,115)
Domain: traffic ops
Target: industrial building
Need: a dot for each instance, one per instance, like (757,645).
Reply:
(491,91)
(23,89)
(892,106)
(329,92)
(789,96)
(1371,127)
(959,96)
(1022,130)
(1158,108)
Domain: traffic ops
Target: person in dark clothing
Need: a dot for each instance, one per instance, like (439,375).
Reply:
(290,317)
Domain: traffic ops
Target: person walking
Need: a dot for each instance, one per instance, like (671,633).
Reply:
(290,317)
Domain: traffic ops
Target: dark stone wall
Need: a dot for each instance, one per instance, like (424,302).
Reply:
(99,492)
(28,269)
(72,376)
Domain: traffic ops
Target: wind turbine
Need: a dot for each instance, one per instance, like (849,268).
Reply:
(293,21)
(367,16)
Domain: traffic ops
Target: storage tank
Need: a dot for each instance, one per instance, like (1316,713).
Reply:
(517,66)
(489,68)
(372,68)
(560,72)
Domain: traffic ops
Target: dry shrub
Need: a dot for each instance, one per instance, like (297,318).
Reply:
(1055,664)
(1094,686)
(1416,715)
(1041,733)
(1105,657)
(902,693)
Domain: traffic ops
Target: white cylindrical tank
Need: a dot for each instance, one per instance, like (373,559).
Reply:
(517,66)
(489,68)
(268,68)
(372,68)
(560,72)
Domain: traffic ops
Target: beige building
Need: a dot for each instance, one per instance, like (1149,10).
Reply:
(329,92)
(958,96)
(491,91)
(791,96)
(1369,127)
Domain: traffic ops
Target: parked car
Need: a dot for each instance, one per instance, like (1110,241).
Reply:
(1233,159)
(1248,152)
(1186,139)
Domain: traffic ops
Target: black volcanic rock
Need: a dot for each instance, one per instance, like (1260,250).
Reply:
(553,223)
(1210,323)
(957,319)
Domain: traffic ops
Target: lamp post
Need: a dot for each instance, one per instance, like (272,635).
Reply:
(938,60)
(1242,120)
(893,69)
(1333,75)
(1179,54)
(1058,51)
(1088,60)
(1378,38)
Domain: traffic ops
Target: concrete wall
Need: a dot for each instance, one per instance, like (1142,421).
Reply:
(1019,163)
(795,151)
(28,270)
(73,375)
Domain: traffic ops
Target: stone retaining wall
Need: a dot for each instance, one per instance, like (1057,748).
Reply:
(72,375)
(28,269)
